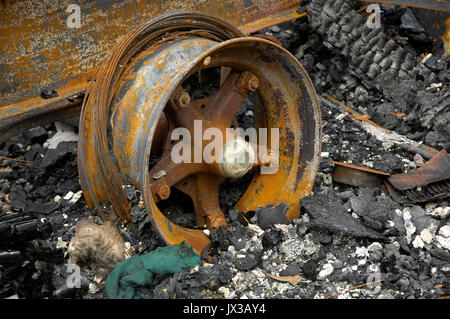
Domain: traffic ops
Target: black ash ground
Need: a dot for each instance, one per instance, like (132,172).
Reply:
(345,236)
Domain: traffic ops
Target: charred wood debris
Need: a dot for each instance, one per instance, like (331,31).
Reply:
(349,241)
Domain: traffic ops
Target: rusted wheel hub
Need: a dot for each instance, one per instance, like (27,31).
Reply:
(137,107)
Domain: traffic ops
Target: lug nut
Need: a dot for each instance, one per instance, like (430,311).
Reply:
(253,84)
(248,81)
(162,192)
(265,159)
(181,98)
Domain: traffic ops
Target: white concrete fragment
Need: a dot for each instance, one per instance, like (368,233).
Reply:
(441,212)
(390,224)
(282,227)
(426,236)
(64,133)
(93,288)
(418,243)
(445,231)
(68,196)
(409,226)
(444,242)
(255,228)
(341,116)
(76,197)
(375,246)
(361,252)
(326,270)
(225,292)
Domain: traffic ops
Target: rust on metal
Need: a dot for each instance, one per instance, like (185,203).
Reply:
(429,182)
(129,102)
(37,111)
(446,36)
(215,112)
(435,170)
(358,176)
(41,50)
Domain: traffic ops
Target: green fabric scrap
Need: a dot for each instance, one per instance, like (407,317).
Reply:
(128,277)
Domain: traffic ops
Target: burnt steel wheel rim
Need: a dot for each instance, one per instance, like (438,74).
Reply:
(289,103)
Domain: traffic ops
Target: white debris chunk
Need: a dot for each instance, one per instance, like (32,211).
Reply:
(225,292)
(375,246)
(390,224)
(444,242)
(68,196)
(441,212)
(426,236)
(61,243)
(418,243)
(98,279)
(326,270)
(255,228)
(361,252)
(76,197)
(93,288)
(282,227)
(341,116)
(64,133)
(409,226)
(445,231)
(425,59)
(159,174)
(232,249)
(194,269)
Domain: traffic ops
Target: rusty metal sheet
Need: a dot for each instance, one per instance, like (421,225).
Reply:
(358,176)
(39,50)
(427,183)
(37,111)
(435,170)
